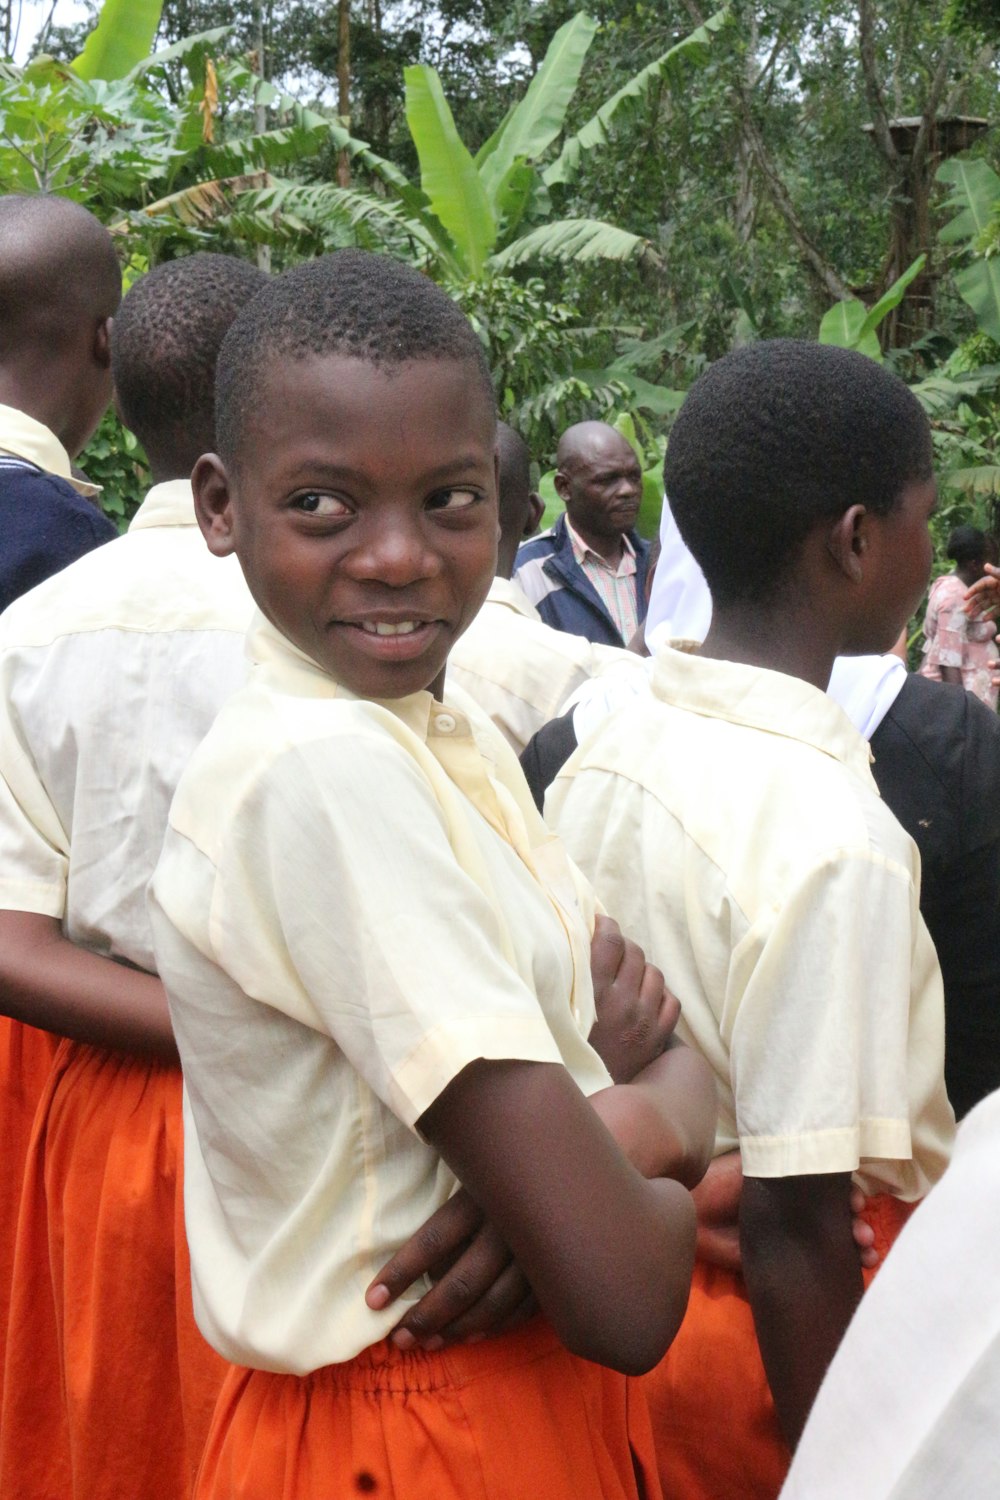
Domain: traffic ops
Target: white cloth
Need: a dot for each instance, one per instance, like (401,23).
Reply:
(909,1407)
(730,822)
(679,599)
(518,669)
(110,674)
(355,900)
(24,437)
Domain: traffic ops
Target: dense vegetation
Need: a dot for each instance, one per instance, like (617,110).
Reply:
(616,196)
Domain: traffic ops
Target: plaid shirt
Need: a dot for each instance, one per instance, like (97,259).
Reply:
(615,586)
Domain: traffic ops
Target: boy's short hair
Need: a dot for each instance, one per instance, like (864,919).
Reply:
(165,343)
(777,437)
(349,303)
(967,544)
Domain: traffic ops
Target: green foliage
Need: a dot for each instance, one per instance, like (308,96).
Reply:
(114,459)
(975,192)
(121,39)
(851,325)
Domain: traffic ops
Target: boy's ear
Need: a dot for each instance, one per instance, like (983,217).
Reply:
(102,343)
(536,508)
(212,503)
(847,542)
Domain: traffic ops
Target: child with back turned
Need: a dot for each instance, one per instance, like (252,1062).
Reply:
(730,821)
(377,957)
(110,674)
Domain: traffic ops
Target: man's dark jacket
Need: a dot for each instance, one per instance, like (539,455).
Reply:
(562,593)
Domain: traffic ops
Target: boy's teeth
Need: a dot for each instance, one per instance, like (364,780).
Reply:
(404,627)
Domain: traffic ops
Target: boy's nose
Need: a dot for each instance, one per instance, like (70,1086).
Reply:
(395,554)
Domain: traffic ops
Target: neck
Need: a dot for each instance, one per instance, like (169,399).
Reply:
(789,642)
(969,576)
(608,547)
(36,399)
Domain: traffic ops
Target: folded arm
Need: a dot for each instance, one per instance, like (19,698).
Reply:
(49,982)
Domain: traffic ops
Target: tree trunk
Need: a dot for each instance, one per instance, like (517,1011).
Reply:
(344,84)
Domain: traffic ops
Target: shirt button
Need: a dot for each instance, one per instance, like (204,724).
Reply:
(444,724)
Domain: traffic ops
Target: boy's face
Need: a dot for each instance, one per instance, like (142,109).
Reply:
(364,514)
(897,573)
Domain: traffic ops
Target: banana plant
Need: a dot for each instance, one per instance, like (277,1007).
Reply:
(849,324)
(975,193)
(475,215)
(122,37)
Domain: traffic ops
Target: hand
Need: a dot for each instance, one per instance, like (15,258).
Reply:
(717,1204)
(982,600)
(636,1013)
(479,1290)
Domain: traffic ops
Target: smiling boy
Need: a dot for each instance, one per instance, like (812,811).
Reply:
(378,959)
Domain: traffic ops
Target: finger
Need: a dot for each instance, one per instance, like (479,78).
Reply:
(607,948)
(494,1310)
(670,1009)
(869,1258)
(631,969)
(470,1278)
(858,1200)
(446,1231)
(864,1234)
(719,1247)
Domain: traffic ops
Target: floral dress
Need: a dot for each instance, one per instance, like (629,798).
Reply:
(951,639)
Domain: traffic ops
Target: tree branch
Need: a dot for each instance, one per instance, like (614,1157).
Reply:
(929,117)
(873,86)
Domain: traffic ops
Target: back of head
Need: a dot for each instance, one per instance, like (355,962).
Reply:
(967,544)
(59,274)
(777,437)
(164,349)
(351,304)
(517,510)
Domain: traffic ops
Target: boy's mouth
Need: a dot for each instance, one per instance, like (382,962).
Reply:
(383,627)
(393,640)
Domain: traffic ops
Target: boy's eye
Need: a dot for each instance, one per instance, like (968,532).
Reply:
(456,499)
(316,503)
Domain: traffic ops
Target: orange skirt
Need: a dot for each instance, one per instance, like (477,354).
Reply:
(109,1385)
(25,1062)
(512,1418)
(714,1423)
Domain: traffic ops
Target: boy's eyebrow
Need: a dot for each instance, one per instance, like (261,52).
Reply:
(308,469)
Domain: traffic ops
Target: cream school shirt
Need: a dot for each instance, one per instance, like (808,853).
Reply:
(110,673)
(730,822)
(354,901)
(518,669)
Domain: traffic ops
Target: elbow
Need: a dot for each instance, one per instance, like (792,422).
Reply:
(628,1320)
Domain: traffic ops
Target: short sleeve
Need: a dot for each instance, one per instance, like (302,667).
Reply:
(34,847)
(819,1047)
(341,900)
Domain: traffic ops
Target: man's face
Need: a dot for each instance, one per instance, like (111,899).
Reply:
(601,485)
(364,514)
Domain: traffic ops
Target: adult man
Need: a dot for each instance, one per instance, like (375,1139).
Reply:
(518,669)
(587,573)
(60,285)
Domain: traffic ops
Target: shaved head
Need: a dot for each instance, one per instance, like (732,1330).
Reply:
(57,267)
(599,481)
(60,286)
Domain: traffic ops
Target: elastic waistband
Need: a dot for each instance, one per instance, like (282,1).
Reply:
(383,1367)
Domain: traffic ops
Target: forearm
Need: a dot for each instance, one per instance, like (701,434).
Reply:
(608,1255)
(48,982)
(803,1278)
(664,1120)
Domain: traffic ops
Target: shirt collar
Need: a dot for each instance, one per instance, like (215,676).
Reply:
(582,552)
(27,438)
(167,504)
(760,699)
(284,667)
(506,592)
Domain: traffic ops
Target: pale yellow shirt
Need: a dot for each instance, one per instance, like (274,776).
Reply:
(110,674)
(518,669)
(24,437)
(355,900)
(730,822)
